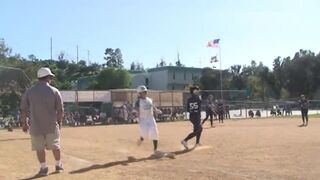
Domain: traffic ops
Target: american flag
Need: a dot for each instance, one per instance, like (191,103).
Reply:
(214,43)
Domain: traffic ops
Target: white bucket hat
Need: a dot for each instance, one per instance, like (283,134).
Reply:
(43,72)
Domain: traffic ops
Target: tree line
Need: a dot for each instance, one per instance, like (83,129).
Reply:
(288,77)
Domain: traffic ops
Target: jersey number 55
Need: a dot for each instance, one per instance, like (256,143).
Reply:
(193,106)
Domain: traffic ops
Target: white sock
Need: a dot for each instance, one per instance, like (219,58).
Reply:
(43,165)
(58,163)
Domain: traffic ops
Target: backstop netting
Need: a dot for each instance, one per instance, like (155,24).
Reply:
(13,82)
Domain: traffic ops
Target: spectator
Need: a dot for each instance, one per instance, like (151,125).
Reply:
(258,113)
(251,114)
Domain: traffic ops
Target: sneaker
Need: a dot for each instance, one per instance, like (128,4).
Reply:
(59,169)
(157,154)
(198,145)
(185,144)
(43,172)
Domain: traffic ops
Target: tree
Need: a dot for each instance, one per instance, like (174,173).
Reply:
(62,64)
(139,66)
(136,66)
(61,56)
(111,78)
(32,57)
(237,80)
(179,64)
(209,79)
(119,59)
(263,75)
(133,66)
(5,51)
(301,73)
(113,58)
(162,63)
(278,77)
(82,63)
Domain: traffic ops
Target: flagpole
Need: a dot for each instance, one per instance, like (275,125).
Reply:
(221,95)
(51,48)
(216,43)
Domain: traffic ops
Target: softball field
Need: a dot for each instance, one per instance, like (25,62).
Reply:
(238,149)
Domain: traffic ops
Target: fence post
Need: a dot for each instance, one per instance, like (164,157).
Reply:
(77,101)
(172,99)
(245,107)
(159,93)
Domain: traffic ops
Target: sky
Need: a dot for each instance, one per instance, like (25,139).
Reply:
(149,30)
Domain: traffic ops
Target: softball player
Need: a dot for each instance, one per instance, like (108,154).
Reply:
(194,108)
(304,105)
(147,122)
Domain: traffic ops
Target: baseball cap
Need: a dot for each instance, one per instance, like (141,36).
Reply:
(142,89)
(43,72)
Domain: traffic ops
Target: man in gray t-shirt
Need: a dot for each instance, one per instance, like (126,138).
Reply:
(43,105)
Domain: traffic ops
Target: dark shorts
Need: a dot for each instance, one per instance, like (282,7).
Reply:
(304,112)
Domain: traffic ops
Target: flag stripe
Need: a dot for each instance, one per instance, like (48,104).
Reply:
(214,43)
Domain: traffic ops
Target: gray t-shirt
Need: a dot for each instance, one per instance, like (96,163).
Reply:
(43,102)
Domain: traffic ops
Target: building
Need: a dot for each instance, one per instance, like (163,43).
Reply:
(167,78)
(161,78)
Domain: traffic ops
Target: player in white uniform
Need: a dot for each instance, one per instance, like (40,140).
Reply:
(147,123)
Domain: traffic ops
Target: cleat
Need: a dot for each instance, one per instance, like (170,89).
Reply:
(185,144)
(43,172)
(59,169)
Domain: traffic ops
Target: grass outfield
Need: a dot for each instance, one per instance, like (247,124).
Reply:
(238,149)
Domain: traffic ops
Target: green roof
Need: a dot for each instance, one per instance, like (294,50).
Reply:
(175,68)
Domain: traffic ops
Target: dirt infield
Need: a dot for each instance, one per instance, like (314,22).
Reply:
(241,149)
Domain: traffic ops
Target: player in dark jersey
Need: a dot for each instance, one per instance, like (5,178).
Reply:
(227,111)
(220,111)
(209,110)
(304,105)
(194,109)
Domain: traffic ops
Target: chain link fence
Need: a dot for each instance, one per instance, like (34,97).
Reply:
(116,106)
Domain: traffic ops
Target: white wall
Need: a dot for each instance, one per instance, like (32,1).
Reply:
(139,79)
(158,80)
